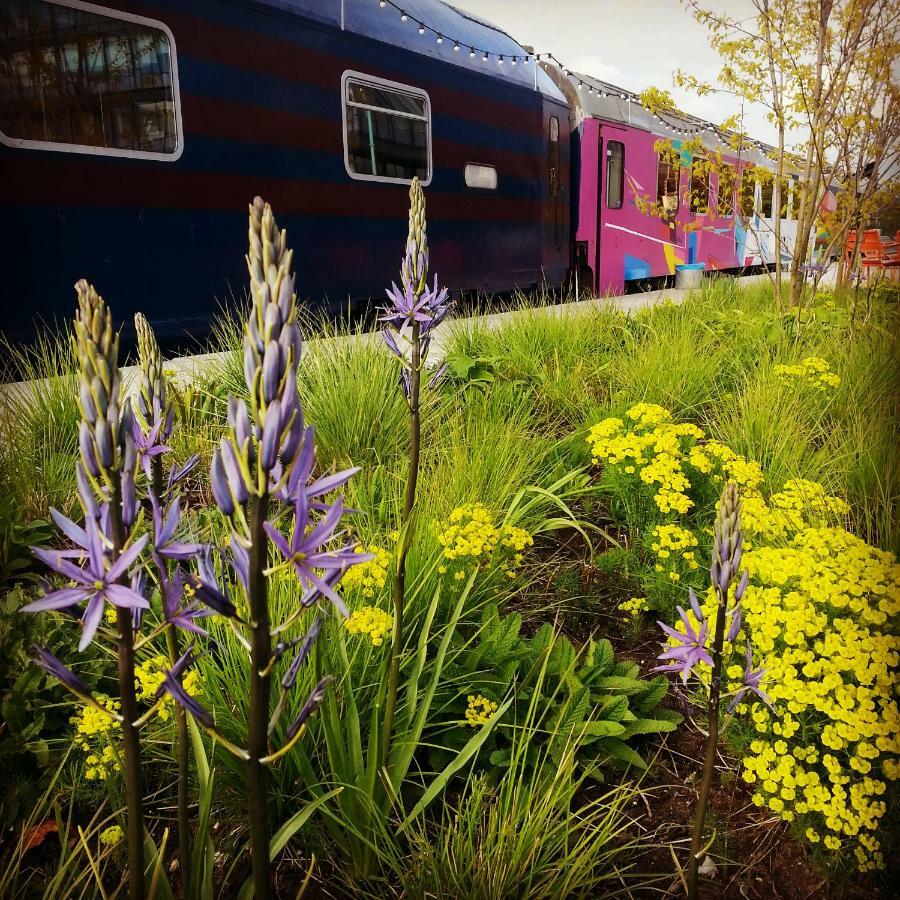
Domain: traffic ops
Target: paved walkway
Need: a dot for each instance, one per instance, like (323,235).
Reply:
(187,368)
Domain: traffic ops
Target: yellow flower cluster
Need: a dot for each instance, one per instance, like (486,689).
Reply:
(799,504)
(819,613)
(368,577)
(633,607)
(658,449)
(111,836)
(374,623)
(471,538)
(151,673)
(94,735)
(673,539)
(479,710)
(813,370)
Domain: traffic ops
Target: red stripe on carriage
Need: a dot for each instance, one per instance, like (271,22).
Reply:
(56,182)
(285,60)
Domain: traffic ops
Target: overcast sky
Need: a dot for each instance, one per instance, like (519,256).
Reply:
(631,43)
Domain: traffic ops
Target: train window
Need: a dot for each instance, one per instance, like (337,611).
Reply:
(699,186)
(387,130)
(553,156)
(84,79)
(478,176)
(725,193)
(784,197)
(767,190)
(748,191)
(615,174)
(795,198)
(667,173)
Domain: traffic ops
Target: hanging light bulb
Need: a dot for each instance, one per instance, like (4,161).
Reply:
(403,16)
(514,60)
(525,61)
(485,57)
(439,39)
(421,28)
(580,85)
(471,51)
(382,3)
(456,46)
(501,59)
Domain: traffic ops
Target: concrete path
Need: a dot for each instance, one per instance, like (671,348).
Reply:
(186,369)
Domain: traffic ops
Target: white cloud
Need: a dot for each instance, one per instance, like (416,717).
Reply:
(634,44)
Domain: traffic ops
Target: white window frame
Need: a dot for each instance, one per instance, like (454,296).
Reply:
(352,75)
(57,147)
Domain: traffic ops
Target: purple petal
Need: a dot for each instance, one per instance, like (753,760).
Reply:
(91,620)
(124,597)
(73,532)
(328,483)
(312,704)
(57,600)
(126,558)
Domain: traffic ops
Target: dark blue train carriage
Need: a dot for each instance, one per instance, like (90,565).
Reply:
(133,134)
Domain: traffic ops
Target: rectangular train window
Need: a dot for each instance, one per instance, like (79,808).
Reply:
(725,193)
(553,156)
(479,176)
(767,192)
(84,79)
(387,130)
(748,191)
(615,174)
(699,196)
(667,172)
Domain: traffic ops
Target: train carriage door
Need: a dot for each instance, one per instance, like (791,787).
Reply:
(553,172)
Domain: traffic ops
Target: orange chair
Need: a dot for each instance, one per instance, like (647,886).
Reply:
(890,256)
(871,250)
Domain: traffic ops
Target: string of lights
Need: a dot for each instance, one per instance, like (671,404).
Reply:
(684,124)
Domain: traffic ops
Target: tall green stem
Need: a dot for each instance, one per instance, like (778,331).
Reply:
(409,502)
(260,683)
(182,749)
(712,740)
(131,743)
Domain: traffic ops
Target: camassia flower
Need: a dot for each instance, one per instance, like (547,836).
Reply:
(307,549)
(174,591)
(173,684)
(751,683)
(690,647)
(94,583)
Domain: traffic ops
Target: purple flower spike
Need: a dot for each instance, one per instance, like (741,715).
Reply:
(312,704)
(751,684)
(689,650)
(173,685)
(94,583)
(52,666)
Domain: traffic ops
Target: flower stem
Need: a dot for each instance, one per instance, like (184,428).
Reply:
(260,654)
(182,749)
(184,827)
(712,740)
(409,502)
(134,789)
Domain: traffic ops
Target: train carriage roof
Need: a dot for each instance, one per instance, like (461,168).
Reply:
(611,103)
(367,17)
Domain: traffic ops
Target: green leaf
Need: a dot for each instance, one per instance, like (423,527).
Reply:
(619,684)
(619,751)
(613,709)
(463,757)
(647,726)
(604,728)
